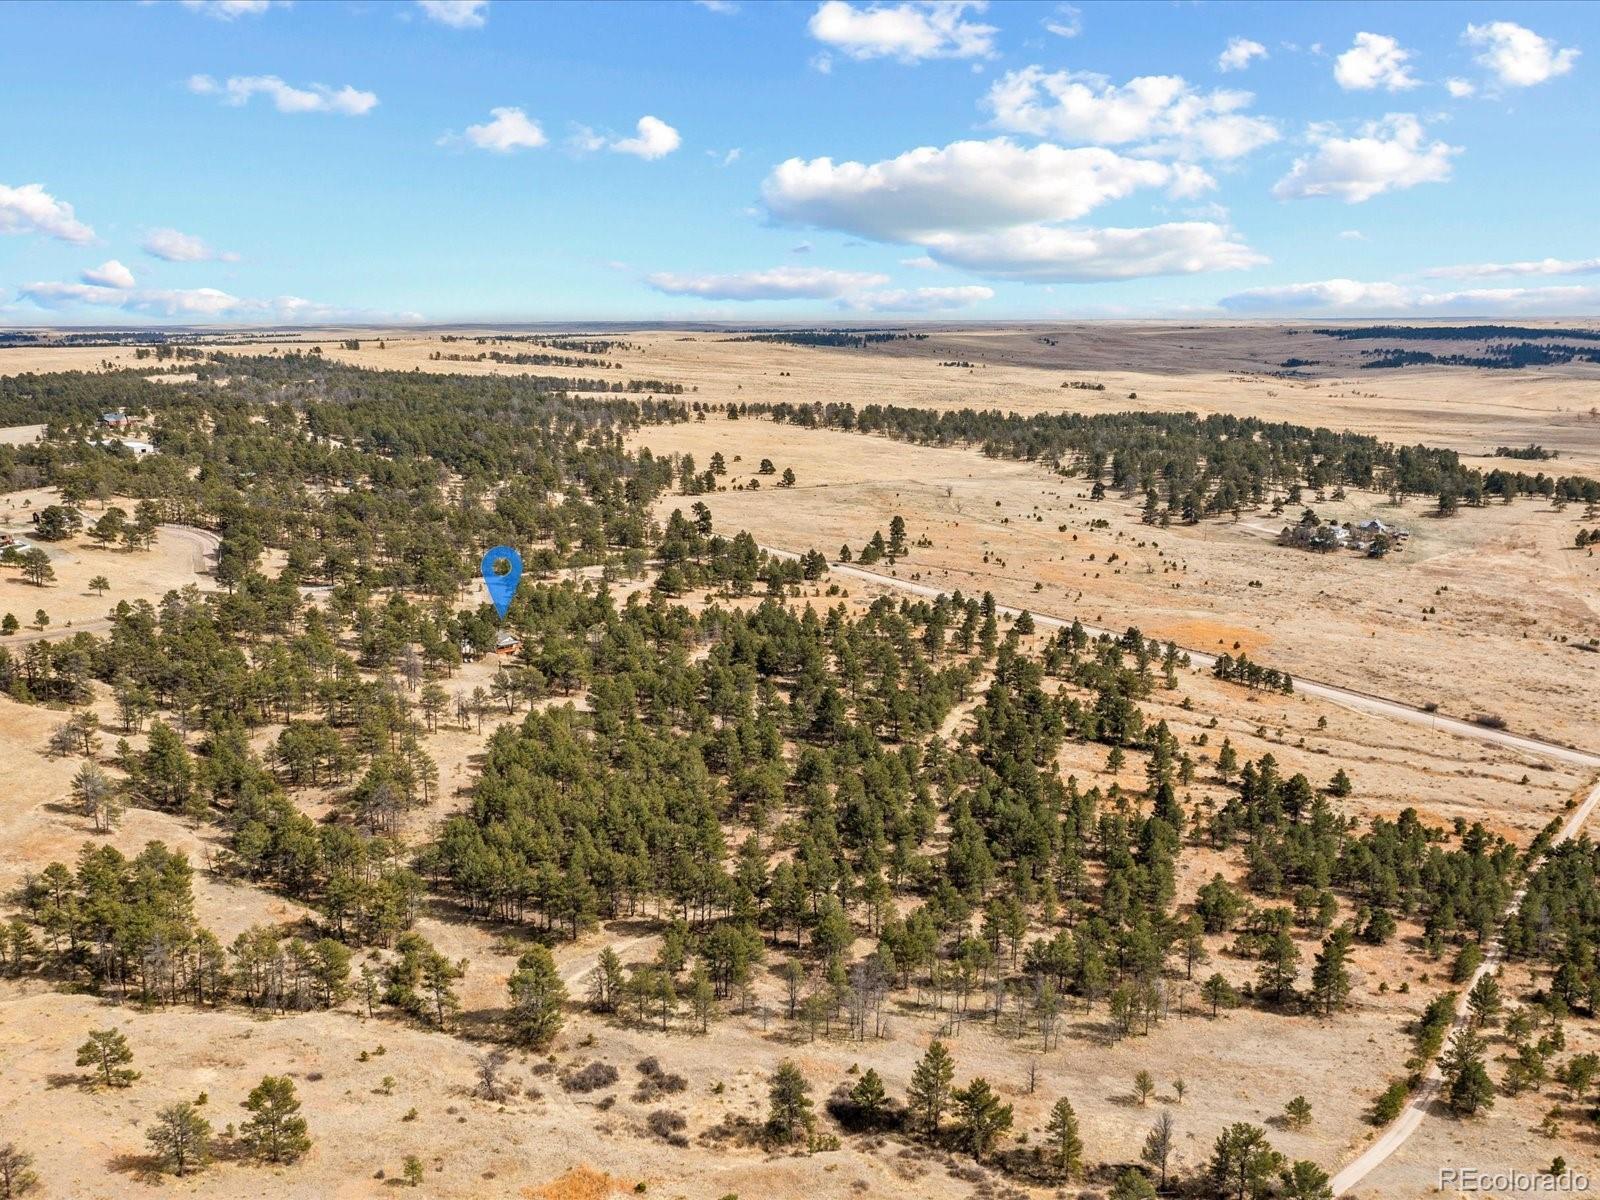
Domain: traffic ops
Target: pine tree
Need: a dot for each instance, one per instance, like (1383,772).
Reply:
(1061,1135)
(1227,760)
(1279,966)
(788,1102)
(1330,976)
(1144,1086)
(275,1132)
(1305,1181)
(869,1098)
(1483,1001)
(1467,1085)
(929,1093)
(1219,993)
(180,1137)
(1297,1113)
(535,1014)
(1243,1162)
(107,1051)
(981,1120)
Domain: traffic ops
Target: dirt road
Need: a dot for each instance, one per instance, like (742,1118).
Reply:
(202,544)
(1422,1101)
(1349,697)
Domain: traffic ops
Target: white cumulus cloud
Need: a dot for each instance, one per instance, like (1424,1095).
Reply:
(457,14)
(1374,61)
(1159,114)
(509,129)
(173,245)
(778,283)
(109,274)
(1387,155)
(1459,89)
(997,209)
(315,98)
(31,209)
(908,32)
(1519,57)
(654,139)
(969,186)
(1239,53)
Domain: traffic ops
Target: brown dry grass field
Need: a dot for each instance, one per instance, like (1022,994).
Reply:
(1479,614)
(1508,593)
(1157,367)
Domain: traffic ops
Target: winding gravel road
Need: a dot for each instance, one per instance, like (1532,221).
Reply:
(1422,1100)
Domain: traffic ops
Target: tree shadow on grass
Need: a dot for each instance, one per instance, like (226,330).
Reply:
(144,1168)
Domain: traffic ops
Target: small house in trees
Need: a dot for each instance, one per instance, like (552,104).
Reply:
(507,644)
(116,420)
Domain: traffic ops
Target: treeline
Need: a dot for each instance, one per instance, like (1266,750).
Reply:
(1504,357)
(835,338)
(525,360)
(1453,333)
(1253,675)
(578,344)
(1210,465)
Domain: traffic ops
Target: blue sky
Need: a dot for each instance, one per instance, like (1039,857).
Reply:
(247,161)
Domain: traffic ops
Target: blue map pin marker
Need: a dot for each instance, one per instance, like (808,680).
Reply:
(502,585)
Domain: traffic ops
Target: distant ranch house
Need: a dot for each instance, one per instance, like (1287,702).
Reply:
(1371,537)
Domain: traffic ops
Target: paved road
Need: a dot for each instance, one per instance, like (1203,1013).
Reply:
(1417,1109)
(1422,1100)
(1349,697)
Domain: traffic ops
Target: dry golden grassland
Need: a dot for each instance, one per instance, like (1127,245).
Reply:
(1477,614)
